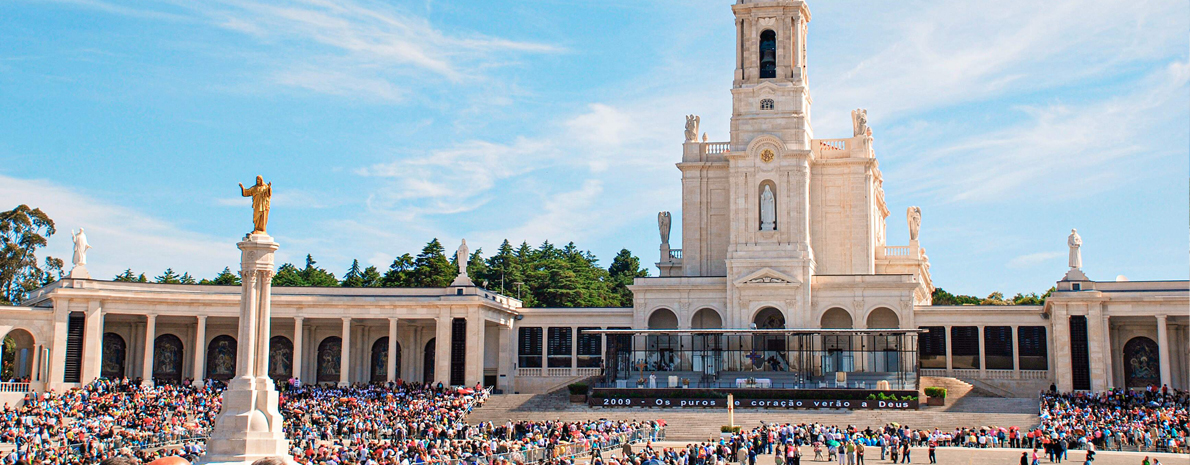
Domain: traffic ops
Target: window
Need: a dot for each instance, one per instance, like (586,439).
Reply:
(1034,352)
(931,347)
(766,104)
(768,54)
(590,348)
(1076,287)
(997,347)
(530,348)
(964,347)
(558,345)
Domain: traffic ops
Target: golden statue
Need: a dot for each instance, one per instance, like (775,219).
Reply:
(261,194)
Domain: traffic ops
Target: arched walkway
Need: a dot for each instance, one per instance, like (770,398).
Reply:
(380,360)
(280,358)
(769,318)
(1141,363)
(706,318)
(167,359)
(221,358)
(883,318)
(427,359)
(16,362)
(663,318)
(115,351)
(836,318)
(330,352)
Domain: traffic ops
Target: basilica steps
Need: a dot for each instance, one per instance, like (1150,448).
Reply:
(963,409)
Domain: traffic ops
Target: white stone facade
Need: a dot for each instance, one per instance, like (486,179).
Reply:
(823,262)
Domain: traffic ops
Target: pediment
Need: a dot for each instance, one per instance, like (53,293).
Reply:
(766,276)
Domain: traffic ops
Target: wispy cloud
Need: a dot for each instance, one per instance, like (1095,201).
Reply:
(1029,260)
(122,237)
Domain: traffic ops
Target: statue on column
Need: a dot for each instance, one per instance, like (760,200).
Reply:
(261,194)
(692,128)
(1076,256)
(913,216)
(80,247)
(663,221)
(768,210)
(859,123)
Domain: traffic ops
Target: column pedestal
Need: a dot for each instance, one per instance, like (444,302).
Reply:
(249,426)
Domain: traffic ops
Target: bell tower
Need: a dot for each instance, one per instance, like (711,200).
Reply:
(769,261)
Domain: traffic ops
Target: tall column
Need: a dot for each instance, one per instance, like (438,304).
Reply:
(475,340)
(92,342)
(505,373)
(1163,350)
(949,360)
(1016,352)
(442,348)
(249,426)
(57,362)
(1108,353)
(392,350)
(1060,342)
(295,367)
(983,363)
(147,359)
(345,353)
(1098,356)
(574,348)
(200,348)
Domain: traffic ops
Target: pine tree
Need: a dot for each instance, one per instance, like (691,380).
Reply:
(314,276)
(169,277)
(431,267)
(186,279)
(354,276)
(399,274)
(371,277)
(624,269)
(125,277)
(226,278)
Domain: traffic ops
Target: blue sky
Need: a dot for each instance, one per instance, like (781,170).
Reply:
(383,125)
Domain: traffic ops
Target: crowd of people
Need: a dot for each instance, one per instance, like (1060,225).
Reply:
(413,424)
(1150,419)
(398,424)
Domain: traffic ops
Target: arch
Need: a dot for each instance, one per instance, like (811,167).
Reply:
(769,318)
(836,318)
(115,351)
(280,358)
(16,362)
(1141,363)
(767,104)
(883,318)
(380,360)
(330,353)
(221,358)
(427,360)
(706,318)
(167,359)
(663,318)
(768,54)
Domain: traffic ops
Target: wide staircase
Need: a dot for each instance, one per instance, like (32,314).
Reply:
(966,406)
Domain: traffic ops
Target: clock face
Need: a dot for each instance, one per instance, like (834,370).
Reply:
(766,156)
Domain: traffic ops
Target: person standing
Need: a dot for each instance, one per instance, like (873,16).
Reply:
(905,452)
(933,445)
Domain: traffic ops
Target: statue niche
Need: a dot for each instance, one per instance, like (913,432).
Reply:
(768,208)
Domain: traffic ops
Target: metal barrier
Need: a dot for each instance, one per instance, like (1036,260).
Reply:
(570,450)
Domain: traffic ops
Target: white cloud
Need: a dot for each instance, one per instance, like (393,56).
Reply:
(121,237)
(1029,260)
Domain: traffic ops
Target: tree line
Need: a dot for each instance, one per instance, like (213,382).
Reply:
(941,297)
(543,276)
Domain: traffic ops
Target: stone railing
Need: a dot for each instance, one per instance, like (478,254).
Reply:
(529,372)
(985,374)
(832,145)
(715,148)
(855,147)
(556,372)
(14,387)
(675,254)
(896,251)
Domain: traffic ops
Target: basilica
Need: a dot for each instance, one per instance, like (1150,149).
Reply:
(782,274)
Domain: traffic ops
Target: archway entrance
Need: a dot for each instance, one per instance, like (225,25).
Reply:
(114,352)
(380,360)
(1141,363)
(167,359)
(427,360)
(16,362)
(280,358)
(708,354)
(768,350)
(883,350)
(330,352)
(838,350)
(221,358)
